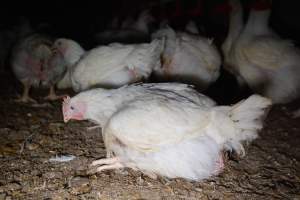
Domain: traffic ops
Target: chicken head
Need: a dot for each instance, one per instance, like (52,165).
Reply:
(73,110)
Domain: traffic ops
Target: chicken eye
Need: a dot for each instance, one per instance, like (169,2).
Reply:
(72,108)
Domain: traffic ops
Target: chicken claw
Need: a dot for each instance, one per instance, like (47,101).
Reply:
(25,99)
(25,96)
(106,163)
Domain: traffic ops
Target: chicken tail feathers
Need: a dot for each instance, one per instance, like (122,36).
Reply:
(248,116)
(242,122)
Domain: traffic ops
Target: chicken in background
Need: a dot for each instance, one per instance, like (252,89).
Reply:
(188,58)
(32,67)
(258,57)
(110,66)
(71,52)
(54,69)
(166,129)
(137,32)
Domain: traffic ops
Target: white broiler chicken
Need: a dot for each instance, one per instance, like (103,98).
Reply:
(257,56)
(137,32)
(72,52)
(28,59)
(236,25)
(166,129)
(188,58)
(112,66)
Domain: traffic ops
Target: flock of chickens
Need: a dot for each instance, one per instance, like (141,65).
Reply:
(166,129)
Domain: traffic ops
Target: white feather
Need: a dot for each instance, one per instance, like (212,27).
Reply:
(160,129)
(62,158)
(188,58)
(72,55)
(112,66)
(256,55)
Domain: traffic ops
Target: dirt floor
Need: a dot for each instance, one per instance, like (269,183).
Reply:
(31,134)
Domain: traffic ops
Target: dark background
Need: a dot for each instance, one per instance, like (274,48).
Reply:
(81,19)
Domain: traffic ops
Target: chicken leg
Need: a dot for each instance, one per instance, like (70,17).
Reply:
(25,96)
(52,95)
(106,163)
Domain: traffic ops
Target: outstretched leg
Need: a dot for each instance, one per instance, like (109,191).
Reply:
(106,163)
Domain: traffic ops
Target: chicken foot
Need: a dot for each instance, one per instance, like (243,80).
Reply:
(52,95)
(106,163)
(25,96)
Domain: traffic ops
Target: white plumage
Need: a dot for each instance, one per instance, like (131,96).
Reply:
(188,58)
(258,57)
(167,129)
(113,65)
(30,65)
(71,52)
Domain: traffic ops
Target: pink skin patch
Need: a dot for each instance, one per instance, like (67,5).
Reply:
(35,65)
(133,74)
(60,47)
(219,165)
(74,110)
(63,50)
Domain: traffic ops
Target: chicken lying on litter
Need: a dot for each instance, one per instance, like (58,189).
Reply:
(166,129)
(110,66)
(188,58)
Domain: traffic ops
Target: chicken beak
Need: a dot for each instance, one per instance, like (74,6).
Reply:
(66,119)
